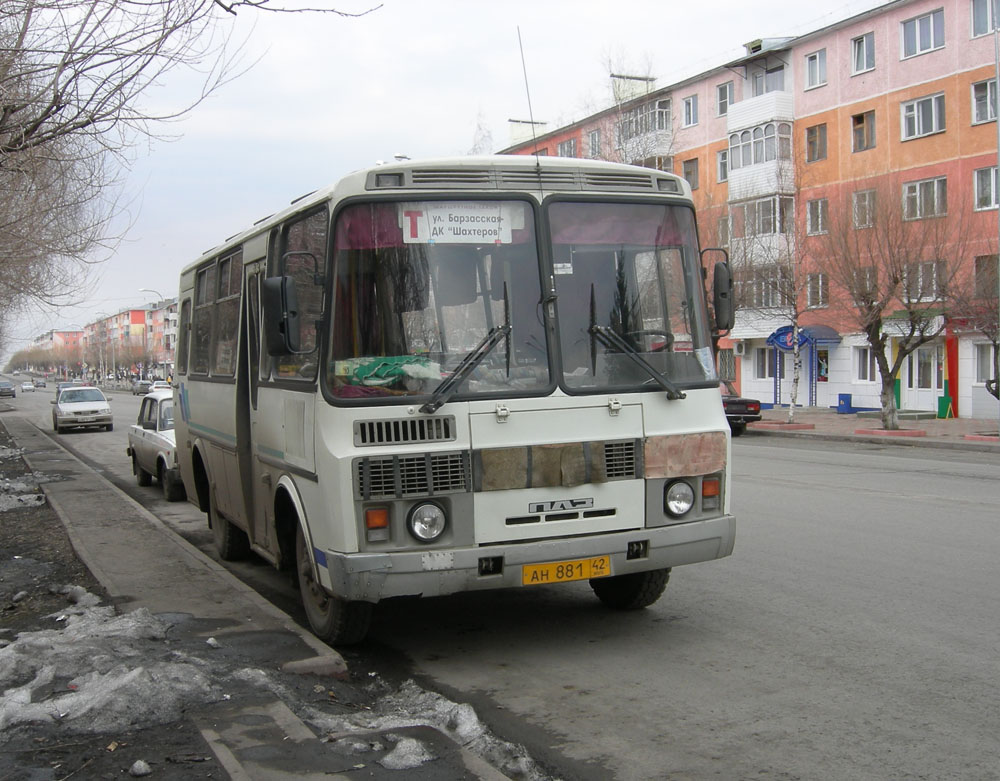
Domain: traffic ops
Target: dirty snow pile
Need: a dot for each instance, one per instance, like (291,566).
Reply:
(412,706)
(20,492)
(99,672)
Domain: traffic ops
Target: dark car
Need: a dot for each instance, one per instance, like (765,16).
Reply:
(739,410)
(7,389)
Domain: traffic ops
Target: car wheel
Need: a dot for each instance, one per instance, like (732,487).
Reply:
(142,477)
(633,591)
(55,427)
(738,428)
(109,427)
(172,485)
(335,621)
(231,542)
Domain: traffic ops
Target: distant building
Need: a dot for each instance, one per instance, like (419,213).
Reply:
(901,97)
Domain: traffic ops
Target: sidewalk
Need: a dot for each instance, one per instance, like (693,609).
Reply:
(256,731)
(814,422)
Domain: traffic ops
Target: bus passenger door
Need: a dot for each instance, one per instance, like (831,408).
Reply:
(256,493)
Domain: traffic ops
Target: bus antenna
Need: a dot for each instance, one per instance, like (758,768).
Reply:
(527,92)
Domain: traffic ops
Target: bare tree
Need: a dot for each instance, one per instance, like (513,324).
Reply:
(892,252)
(73,75)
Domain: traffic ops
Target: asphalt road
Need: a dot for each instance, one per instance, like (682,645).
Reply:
(852,635)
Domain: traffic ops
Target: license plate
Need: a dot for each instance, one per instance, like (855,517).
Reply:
(565,571)
(85,419)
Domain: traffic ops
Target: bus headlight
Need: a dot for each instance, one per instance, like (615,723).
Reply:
(426,521)
(678,498)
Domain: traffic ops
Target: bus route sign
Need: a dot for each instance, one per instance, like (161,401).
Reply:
(456,222)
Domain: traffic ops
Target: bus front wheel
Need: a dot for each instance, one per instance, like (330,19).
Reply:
(633,591)
(336,621)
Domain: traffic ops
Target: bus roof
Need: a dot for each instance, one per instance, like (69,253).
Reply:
(499,173)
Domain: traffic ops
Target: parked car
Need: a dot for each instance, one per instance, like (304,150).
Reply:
(739,410)
(141,387)
(7,389)
(81,407)
(28,386)
(151,445)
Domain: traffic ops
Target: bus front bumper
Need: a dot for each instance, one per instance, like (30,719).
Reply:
(370,577)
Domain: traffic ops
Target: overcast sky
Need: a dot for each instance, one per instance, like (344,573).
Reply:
(330,95)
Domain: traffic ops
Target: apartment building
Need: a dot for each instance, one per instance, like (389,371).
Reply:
(873,136)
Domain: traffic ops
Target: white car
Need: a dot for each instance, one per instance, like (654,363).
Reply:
(28,386)
(81,407)
(151,445)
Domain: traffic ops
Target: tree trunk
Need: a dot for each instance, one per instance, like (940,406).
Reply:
(796,372)
(890,415)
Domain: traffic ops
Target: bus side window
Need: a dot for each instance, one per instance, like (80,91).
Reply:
(183,336)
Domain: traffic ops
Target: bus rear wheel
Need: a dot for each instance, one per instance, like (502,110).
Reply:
(335,621)
(633,591)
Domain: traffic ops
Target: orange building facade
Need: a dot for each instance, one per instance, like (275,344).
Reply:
(801,143)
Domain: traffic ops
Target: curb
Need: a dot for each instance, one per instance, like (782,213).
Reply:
(976,446)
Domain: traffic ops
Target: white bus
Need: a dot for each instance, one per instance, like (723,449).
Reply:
(460,374)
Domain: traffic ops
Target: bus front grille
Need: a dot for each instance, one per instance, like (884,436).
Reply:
(620,460)
(399,431)
(426,474)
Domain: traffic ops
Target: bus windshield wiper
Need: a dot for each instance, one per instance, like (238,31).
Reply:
(472,359)
(449,386)
(609,338)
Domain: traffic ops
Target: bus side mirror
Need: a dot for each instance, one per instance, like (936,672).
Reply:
(722,299)
(281,315)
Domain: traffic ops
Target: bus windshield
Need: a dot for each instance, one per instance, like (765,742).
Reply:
(420,286)
(628,282)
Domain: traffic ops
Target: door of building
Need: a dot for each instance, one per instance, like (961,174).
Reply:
(924,378)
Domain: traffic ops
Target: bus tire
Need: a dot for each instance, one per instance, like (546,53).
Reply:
(142,477)
(335,621)
(633,591)
(231,542)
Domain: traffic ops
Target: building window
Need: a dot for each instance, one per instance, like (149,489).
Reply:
(816,69)
(865,364)
(926,198)
(816,295)
(566,148)
(724,98)
(689,170)
(765,287)
(863,53)
(760,145)
(648,118)
(815,143)
(924,33)
(764,80)
(691,111)
(722,165)
(923,116)
(924,281)
(765,359)
(984,101)
(985,276)
(863,203)
(984,363)
(658,163)
(985,181)
(762,217)
(727,364)
(863,131)
(982,17)
(816,216)
(594,143)
(722,229)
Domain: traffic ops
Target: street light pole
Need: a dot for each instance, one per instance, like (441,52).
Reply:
(145,330)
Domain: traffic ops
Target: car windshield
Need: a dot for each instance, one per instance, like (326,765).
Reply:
(73,395)
(166,415)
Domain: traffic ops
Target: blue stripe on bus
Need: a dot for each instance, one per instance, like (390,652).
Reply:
(320,557)
(270,451)
(213,432)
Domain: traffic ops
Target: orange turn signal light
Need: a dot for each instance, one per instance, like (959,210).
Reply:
(710,486)
(377,518)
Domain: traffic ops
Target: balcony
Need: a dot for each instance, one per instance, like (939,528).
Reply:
(769,107)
